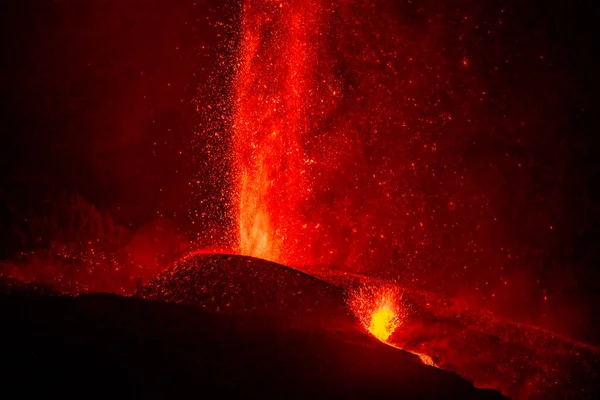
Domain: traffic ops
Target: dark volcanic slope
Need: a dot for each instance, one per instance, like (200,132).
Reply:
(235,284)
(14,286)
(105,346)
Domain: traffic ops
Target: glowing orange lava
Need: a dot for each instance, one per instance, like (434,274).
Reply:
(257,237)
(425,359)
(383,322)
(270,108)
(377,309)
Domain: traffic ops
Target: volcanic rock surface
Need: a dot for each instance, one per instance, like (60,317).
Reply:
(244,326)
(107,346)
(235,284)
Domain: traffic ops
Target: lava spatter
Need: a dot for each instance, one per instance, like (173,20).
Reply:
(378,309)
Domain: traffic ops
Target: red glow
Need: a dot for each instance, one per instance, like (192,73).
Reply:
(270,91)
(377,137)
(354,140)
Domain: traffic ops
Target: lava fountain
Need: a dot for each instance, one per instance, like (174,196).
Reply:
(377,309)
(271,85)
(337,117)
(383,321)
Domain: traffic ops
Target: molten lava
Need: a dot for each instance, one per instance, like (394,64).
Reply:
(256,233)
(383,322)
(377,309)
(270,88)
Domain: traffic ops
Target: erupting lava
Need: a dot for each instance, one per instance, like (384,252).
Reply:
(383,322)
(390,140)
(270,88)
(377,310)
